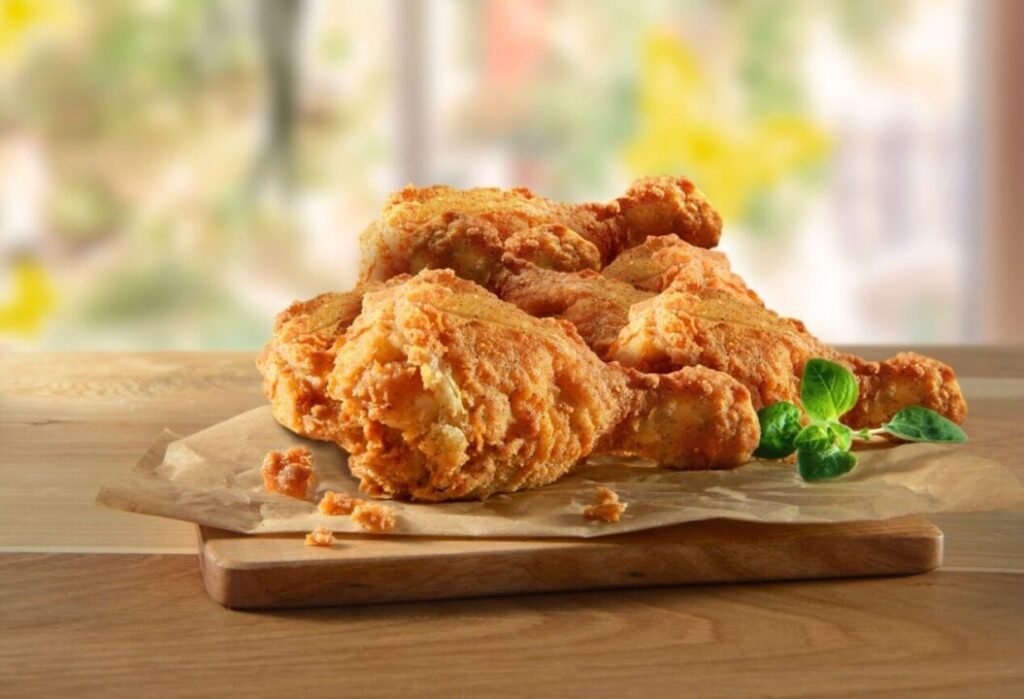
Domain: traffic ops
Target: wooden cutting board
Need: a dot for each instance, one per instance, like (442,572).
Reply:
(243,571)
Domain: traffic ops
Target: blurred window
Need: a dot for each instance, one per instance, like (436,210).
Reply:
(173,173)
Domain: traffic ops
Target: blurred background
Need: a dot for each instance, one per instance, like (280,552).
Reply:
(173,173)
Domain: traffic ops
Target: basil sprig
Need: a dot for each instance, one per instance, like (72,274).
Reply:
(828,391)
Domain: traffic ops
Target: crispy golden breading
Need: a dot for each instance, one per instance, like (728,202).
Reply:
(447,392)
(666,304)
(664,261)
(374,517)
(469,231)
(289,472)
(766,352)
(903,380)
(333,503)
(597,306)
(606,508)
(716,329)
(321,536)
(300,354)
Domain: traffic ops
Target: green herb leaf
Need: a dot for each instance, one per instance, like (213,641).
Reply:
(780,424)
(820,436)
(822,465)
(815,437)
(842,436)
(827,389)
(918,424)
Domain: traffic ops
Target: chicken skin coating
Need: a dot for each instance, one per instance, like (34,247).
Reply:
(666,304)
(469,231)
(903,380)
(446,392)
(663,261)
(298,358)
(597,306)
(767,353)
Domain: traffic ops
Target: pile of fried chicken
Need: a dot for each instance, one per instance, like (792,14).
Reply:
(496,339)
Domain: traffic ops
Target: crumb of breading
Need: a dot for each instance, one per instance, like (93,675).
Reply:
(334,503)
(321,536)
(373,517)
(607,506)
(289,472)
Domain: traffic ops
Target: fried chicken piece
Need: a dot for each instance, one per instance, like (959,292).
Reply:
(906,379)
(447,392)
(767,353)
(470,230)
(666,304)
(296,361)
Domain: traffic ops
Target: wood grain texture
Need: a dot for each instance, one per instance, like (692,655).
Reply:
(150,630)
(280,571)
(142,625)
(70,423)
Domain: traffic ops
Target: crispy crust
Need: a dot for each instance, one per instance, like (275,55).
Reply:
(597,306)
(470,231)
(289,472)
(321,536)
(374,517)
(298,358)
(448,392)
(766,353)
(606,508)
(333,503)
(659,263)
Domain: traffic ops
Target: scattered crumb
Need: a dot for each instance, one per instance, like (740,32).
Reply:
(321,536)
(373,517)
(338,503)
(607,506)
(289,472)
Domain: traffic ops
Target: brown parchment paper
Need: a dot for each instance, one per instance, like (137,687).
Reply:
(213,478)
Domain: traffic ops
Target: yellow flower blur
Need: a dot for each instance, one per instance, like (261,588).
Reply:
(31,301)
(684,131)
(22,21)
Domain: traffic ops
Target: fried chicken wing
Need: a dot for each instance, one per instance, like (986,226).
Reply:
(447,392)
(469,231)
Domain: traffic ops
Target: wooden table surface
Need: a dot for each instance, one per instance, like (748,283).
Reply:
(97,602)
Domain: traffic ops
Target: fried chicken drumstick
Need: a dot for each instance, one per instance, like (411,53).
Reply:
(470,230)
(447,392)
(665,304)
